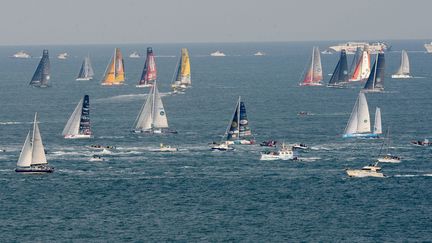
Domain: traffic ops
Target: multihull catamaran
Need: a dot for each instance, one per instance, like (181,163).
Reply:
(183,74)
(149,73)
(32,157)
(360,68)
(115,72)
(359,122)
(152,118)
(238,131)
(86,72)
(404,69)
(375,82)
(313,76)
(340,74)
(78,125)
(42,74)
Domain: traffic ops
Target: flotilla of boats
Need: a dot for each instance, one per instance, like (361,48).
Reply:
(152,118)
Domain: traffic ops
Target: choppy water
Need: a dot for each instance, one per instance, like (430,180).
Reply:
(200,195)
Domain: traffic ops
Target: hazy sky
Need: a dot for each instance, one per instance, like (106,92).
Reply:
(143,21)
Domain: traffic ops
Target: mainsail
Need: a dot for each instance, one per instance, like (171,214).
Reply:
(314,74)
(183,76)
(152,114)
(356,59)
(404,68)
(149,73)
(375,82)
(359,120)
(114,74)
(361,70)
(86,71)
(340,74)
(377,123)
(239,125)
(42,74)
(78,124)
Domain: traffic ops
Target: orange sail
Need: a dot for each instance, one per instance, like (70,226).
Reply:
(362,69)
(114,74)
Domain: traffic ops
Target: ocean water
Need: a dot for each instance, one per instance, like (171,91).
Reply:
(200,195)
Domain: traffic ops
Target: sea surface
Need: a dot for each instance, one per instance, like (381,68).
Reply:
(200,195)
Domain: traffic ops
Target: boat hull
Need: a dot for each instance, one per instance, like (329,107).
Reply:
(361,135)
(363,173)
(241,142)
(401,76)
(78,136)
(83,79)
(277,157)
(311,84)
(155,131)
(111,84)
(385,160)
(144,85)
(39,169)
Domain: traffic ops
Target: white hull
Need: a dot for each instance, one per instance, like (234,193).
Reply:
(144,85)
(401,76)
(221,147)
(78,136)
(111,84)
(277,157)
(311,84)
(240,142)
(351,47)
(389,159)
(84,79)
(35,169)
(96,159)
(363,173)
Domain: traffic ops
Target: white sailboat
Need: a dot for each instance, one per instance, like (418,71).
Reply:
(78,125)
(359,122)
(360,68)
(32,157)
(152,117)
(86,72)
(314,75)
(387,157)
(404,68)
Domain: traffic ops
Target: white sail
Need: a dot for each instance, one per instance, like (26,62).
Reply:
(25,157)
(144,119)
(377,123)
(72,125)
(89,68)
(359,119)
(404,68)
(38,153)
(159,115)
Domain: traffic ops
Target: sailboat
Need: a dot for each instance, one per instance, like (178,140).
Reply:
(152,117)
(86,72)
(313,76)
(404,69)
(78,125)
(238,131)
(360,68)
(42,74)
(340,73)
(183,74)
(375,82)
(149,73)
(359,124)
(387,157)
(115,73)
(32,157)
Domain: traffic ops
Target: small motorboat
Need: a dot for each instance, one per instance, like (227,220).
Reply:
(166,148)
(303,113)
(269,143)
(425,142)
(224,146)
(299,146)
(284,153)
(98,146)
(217,54)
(96,158)
(388,158)
(366,171)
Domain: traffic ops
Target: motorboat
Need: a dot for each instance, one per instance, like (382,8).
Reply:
(96,158)
(217,54)
(166,148)
(284,153)
(269,143)
(135,54)
(223,146)
(21,54)
(366,171)
(388,158)
(425,142)
(63,56)
(299,146)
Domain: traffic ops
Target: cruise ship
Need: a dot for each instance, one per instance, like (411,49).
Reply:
(428,47)
(351,47)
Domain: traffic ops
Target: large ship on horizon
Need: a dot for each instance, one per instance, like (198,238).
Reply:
(351,47)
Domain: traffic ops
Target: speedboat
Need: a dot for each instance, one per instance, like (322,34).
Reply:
(300,146)
(166,148)
(98,146)
(21,54)
(425,142)
(224,146)
(366,171)
(388,158)
(269,143)
(217,54)
(285,153)
(63,56)
(96,158)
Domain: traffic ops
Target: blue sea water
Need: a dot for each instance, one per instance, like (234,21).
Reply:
(200,195)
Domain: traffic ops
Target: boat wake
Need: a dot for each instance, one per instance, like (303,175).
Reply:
(10,123)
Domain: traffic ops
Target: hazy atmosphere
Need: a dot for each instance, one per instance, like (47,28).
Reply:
(25,22)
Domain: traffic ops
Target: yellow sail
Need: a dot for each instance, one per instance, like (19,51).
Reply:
(114,74)
(119,67)
(185,67)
